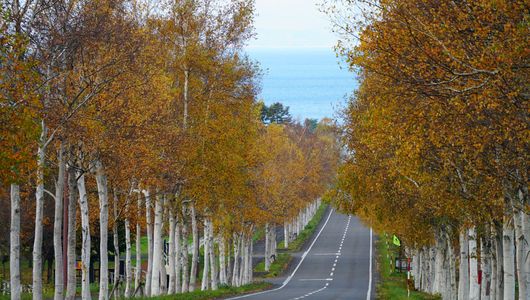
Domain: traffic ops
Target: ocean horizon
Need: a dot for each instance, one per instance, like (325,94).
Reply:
(313,82)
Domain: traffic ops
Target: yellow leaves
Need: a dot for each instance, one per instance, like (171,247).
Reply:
(436,112)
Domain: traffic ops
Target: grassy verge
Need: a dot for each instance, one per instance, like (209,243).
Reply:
(308,231)
(222,292)
(393,285)
(277,267)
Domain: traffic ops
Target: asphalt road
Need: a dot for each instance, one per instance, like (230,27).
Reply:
(338,264)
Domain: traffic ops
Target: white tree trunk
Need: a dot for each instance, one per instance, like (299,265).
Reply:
(149,225)
(474,287)
(451,257)
(222,260)
(235,272)
(524,198)
(128,263)
(499,288)
(163,270)
(85,240)
(71,255)
(205,281)
(195,253)
(286,235)
(250,255)
(213,265)
(101,179)
(526,251)
(493,260)
(39,207)
(438,282)
(463,278)
(228,261)
(138,271)
(508,259)
(485,266)
(521,255)
(172,261)
(267,253)
(58,227)
(243,263)
(116,242)
(158,247)
(185,256)
(178,258)
(14,245)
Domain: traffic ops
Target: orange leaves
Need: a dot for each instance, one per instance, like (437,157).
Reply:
(431,130)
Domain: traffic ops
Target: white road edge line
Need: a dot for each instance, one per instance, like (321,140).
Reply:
(370,270)
(296,269)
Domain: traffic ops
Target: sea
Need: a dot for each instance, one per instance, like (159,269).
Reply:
(313,82)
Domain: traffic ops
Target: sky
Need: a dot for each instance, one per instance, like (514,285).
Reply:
(291,24)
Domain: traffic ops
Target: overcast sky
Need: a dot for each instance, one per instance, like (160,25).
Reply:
(291,24)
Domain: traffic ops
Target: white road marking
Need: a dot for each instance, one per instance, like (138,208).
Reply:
(311,293)
(316,279)
(331,274)
(370,270)
(297,267)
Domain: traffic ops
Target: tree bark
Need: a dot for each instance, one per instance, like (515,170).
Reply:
(222,260)
(163,270)
(499,244)
(286,235)
(101,179)
(138,273)
(39,207)
(463,278)
(508,258)
(178,257)
(185,254)
(235,272)
(195,253)
(14,245)
(485,266)
(71,255)
(213,265)
(267,253)
(85,241)
(128,263)
(157,247)
(206,266)
(149,224)
(520,247)
(524,199)
(474,287)
(58,227)
(116,243)
(172,262)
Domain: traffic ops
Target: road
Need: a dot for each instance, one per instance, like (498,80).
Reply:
(338,264)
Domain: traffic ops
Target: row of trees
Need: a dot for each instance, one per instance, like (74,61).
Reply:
(150,107)
(438,138)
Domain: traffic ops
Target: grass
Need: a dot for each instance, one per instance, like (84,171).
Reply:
(305,234)
(277,267)
(393,285)
(222,292)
